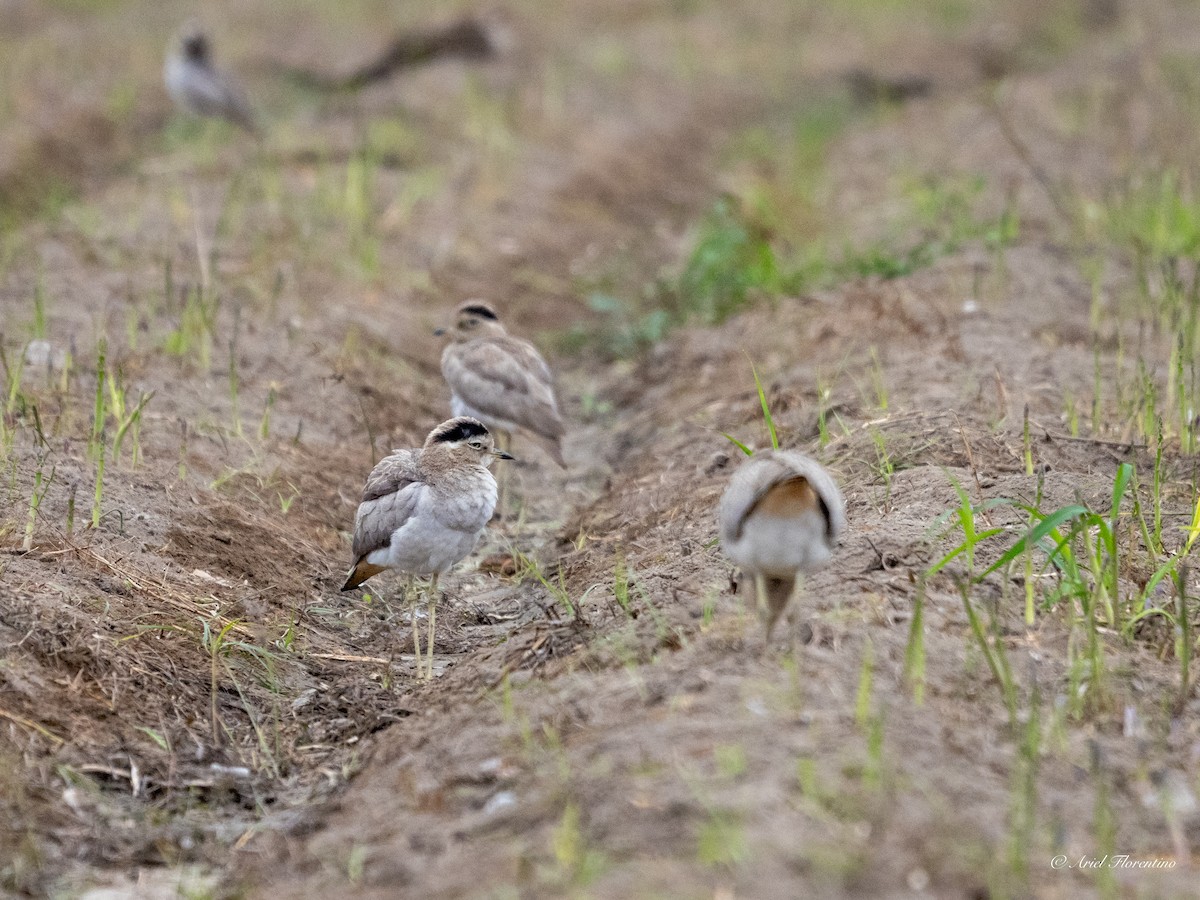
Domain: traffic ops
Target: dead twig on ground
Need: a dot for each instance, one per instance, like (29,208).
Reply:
(467,38)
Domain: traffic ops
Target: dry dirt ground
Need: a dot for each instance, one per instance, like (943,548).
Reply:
(188,704)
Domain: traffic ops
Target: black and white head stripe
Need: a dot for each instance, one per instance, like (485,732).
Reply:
(477,308)
(461,429)
(193,40)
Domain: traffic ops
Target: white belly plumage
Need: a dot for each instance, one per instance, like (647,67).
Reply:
(779,546)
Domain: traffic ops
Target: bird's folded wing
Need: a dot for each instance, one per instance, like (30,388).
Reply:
(388,500)
(507,379)
(527,356)
(379,518)
(216,95)
(392,474)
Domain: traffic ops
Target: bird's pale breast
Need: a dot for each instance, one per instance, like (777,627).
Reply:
(445,526)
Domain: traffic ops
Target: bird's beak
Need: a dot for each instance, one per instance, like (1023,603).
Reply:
(500,454)
(438,332)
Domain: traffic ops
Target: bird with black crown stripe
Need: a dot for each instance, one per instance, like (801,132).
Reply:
(199,87)
(500,380)
(423,511)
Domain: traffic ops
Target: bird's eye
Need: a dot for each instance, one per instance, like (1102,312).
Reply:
(471,323)
(478,445)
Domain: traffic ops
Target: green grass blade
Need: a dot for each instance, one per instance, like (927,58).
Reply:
(737,443)
(1193,530)
(1124,474)
(766,409)
(1047,525)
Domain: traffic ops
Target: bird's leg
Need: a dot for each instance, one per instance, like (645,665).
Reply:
(796,618)
(760,593)
(432,600)
(779,591)
(760,605)
(412,611)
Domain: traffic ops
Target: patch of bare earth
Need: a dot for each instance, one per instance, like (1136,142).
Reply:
(653,747)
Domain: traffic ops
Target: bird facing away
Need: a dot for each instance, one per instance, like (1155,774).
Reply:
(782,514)
(198,87)
(500,380)
(422,511)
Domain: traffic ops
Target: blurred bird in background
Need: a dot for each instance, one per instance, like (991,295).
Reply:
(199,88)
(500,380)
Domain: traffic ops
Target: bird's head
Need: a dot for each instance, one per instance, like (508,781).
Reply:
(463,440)
(193,42)
(473,319)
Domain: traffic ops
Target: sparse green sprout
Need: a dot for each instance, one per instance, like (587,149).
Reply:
(264,427)
(39,308)
(578,864)
(729,437)
(234,385)
(1156,220)
(1184,641)
(12,375)
(528,567)
(40,486)
(766,409)
(914,651)
(64,374)
(875,770)
(71,508)
(1027,556)
(285,503)
(878,381)
(722,840)
(823,394)
(1071,414)
(965,513)
(993,651)
(1023,806)
(196,329)
(1027,442)
(128,420)
(621,586)
(356,863)
(99,417)
(866,680)
(768,419)
(1193,528)
(99,413)
(1104,822)
(155,736)
(885,468)
(730,759)
(807,778)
